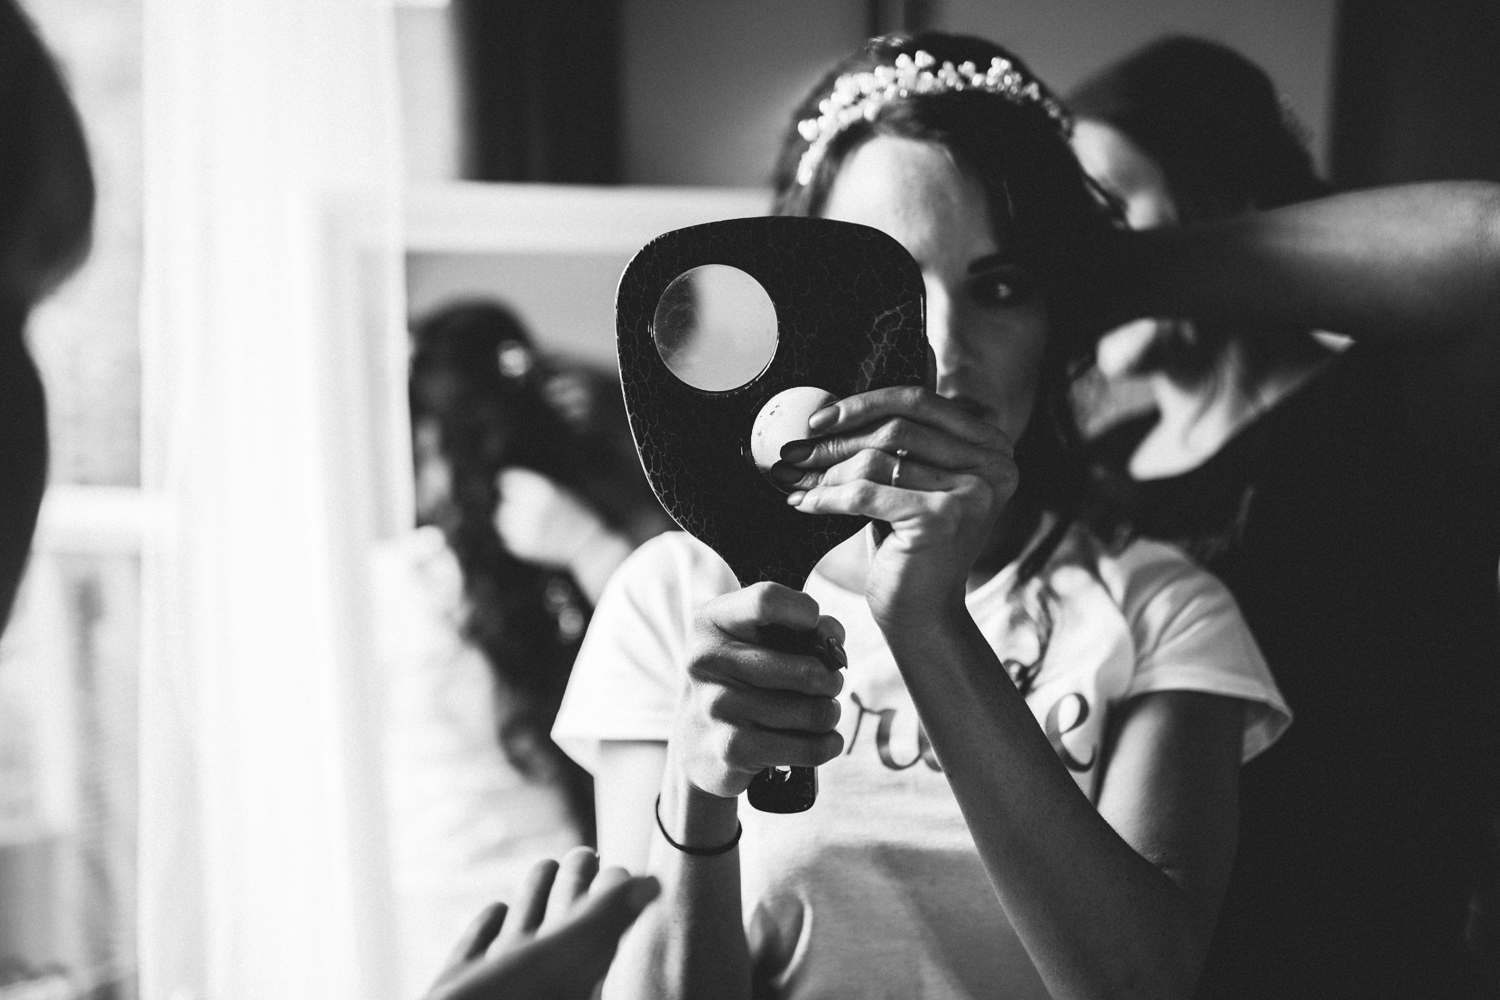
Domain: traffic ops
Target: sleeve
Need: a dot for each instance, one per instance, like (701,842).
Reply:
(626,680)
(1190,636)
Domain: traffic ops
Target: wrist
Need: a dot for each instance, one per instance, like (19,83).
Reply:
(918,629)
(691,817)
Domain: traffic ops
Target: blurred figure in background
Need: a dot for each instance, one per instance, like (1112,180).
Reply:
(1187,131)
(1366,866)
(528,495)
(46,209)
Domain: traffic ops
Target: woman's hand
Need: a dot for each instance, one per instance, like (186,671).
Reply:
(933,471)
(541,521)
(558,943)
(749,706)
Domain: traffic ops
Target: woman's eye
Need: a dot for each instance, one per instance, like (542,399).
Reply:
(1007,288)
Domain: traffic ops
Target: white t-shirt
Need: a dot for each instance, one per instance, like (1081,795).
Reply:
(878,890)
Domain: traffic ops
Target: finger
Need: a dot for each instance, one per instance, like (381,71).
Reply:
(775,710)
(920,404)
(741,613)
(743,665)
(900,471)
(616,902)
(755,749)
(830,639)
(533,906)
(593,930)
(894,436)
(574,875)
(866,499)
(476,939)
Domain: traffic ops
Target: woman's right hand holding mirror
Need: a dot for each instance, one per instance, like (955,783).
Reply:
(749,706)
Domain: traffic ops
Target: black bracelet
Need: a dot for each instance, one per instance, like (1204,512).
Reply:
(698,852)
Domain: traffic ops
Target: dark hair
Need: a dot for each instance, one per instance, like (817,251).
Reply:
(1037,194)
(497,403)
(1212,122)
(46,187)
(46,210)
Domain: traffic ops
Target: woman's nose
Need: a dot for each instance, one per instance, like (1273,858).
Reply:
(943,330)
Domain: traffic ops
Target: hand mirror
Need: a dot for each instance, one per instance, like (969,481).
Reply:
(715,320)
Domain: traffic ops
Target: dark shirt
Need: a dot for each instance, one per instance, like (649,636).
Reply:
(1366,832)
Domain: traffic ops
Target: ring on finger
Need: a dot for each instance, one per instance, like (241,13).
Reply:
(896,469)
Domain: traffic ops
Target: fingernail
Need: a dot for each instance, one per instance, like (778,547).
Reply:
(824,418)
(643,891)
(836,650)
(794,498)
(796,451)
(785,472)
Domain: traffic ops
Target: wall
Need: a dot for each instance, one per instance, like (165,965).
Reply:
(1065,40)
(709,84)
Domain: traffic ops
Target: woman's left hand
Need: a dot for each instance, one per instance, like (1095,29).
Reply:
(925,465)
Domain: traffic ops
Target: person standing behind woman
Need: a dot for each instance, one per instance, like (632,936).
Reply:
(1366,863)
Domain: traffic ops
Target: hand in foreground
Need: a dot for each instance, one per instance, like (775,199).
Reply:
(559,942)
(748,706)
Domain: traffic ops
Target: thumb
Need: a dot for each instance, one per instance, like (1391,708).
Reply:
(611,907)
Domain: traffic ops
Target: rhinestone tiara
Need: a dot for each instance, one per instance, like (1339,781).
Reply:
(861,96)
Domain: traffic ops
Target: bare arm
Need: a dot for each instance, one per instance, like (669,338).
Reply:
(1416,264)
(745,707)
(1118,901)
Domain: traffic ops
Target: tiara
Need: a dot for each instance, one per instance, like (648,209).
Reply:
(861,96)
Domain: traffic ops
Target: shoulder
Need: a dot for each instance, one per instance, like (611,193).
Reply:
(674,566)
(647,607)
(1146,574)
(1189,635)
(626,678)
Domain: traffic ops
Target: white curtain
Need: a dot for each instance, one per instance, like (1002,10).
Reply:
(272,419)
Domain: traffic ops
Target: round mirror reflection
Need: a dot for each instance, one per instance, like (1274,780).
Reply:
(715,327)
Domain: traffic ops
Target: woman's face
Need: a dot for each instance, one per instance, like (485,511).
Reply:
(1124,170)
(986,323)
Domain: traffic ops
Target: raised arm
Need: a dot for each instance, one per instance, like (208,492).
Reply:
(1117,901)
(1416,264)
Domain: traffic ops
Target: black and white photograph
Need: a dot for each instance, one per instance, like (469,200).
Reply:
(749,500)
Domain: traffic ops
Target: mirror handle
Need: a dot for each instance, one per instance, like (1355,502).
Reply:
(788,789)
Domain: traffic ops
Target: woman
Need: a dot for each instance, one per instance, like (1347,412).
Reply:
(1365,866)
(527,498)
(1029,777)
(525,468)
(1187,131)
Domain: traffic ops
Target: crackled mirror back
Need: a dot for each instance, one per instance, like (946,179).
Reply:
(715,327)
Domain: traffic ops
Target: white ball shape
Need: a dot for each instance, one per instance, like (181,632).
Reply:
(784,419)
